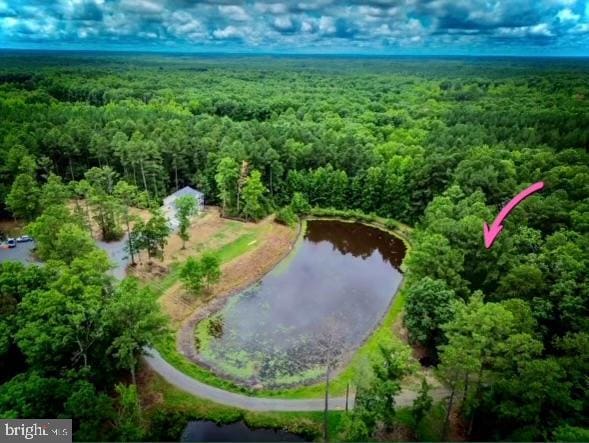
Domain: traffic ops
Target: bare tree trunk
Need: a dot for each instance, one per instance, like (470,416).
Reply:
(448,412)
(238,196)
(129,236)
(134,173)
(271,187)
(477,392)
(155,186)
(88,218)
(176,172)
(465,393)
(347,395)
(71,169)
(143,175)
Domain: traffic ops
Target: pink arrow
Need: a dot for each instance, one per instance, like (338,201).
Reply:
(490,234)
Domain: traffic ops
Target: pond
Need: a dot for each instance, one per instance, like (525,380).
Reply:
(320,304)
(201,431)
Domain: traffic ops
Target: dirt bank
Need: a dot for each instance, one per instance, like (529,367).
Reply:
(238,274)
(270,242)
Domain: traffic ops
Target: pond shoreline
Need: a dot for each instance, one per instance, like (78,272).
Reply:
(186,342)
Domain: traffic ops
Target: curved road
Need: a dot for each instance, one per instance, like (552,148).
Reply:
(194,387)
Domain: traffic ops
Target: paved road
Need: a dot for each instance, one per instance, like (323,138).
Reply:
(194,387)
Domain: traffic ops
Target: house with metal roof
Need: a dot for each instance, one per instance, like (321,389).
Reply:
(170,209)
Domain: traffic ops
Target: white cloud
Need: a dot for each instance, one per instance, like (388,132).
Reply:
(581,28)
(283,23)
(307,26)
(227,32)
(5,9)
(183,24)
(234,12)
(142,6)
(567,15)
(327,25)
(541,29)
(271,8)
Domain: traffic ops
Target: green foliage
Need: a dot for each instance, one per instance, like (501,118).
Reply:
(128,425)
(196,273)
(106,208)
(186,207)
(133,312)
(429,306)
(59,236)
(566,433)
(252,194)
(422,405)
(226,180)
(192,275)
(375,396)
(54,192)
(23,198)
(72,241)
(441,148)
(151,236)
(211,268)
(299,204)
(286,216)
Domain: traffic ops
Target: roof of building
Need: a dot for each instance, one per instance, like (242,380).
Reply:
(186,190)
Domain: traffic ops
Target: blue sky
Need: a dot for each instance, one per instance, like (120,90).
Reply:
(493,27)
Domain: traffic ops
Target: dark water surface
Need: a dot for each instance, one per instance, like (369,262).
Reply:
(329,294)
(205,431)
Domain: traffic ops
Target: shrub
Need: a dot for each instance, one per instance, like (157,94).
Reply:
(192,275)
(299,204)
(286,216)
(391,224)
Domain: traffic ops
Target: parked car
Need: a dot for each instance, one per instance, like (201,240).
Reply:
(24,239)
(11,243)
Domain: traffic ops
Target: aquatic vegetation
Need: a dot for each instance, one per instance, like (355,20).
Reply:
(326,301)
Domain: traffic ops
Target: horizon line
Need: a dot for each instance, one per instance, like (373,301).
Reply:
(286,54)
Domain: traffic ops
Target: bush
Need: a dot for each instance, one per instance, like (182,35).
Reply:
(571,433)
(351,214)
(391,224)
(192,275)
(299,204)
(286,216)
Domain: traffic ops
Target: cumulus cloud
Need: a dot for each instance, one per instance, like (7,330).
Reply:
(567,15)
(234,12)
(229,32)
(315,25)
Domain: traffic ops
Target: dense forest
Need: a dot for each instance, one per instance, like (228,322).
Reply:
(437,144)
